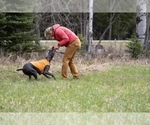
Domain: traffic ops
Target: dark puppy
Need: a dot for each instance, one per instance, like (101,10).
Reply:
(40,67)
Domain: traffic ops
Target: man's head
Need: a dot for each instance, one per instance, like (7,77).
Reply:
(48,33)
(51,54)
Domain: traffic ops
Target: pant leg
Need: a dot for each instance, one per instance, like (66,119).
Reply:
(68,59)
(73,67)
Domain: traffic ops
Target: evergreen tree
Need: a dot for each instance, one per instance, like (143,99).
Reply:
(17,32)
(2,29)
(2,21)
(134,47)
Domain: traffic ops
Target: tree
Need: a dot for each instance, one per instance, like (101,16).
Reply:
(70,13)
(147,35)
(143,24)
(17,29)
(2,21)
(134,47)
(123,25)
(16,32)
(90,33)
(141,20)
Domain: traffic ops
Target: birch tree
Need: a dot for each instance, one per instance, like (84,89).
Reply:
(90,25)
(141,21)
(147,35)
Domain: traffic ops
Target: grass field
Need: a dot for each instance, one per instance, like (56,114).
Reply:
(113,90)
(120,88)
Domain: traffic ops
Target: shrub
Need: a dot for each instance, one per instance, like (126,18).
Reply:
(134,47)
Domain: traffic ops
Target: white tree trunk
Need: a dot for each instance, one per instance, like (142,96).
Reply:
(147,36)
(141,20)
(90,25)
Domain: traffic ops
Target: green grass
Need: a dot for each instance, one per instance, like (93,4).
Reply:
(120,89)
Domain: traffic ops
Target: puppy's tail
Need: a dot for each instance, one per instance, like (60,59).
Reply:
(19,69)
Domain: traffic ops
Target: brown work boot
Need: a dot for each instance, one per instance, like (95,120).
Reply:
(75,77)
(63,78)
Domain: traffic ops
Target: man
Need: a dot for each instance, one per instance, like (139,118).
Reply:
(67,38)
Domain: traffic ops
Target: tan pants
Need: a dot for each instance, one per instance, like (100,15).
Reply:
(68,59)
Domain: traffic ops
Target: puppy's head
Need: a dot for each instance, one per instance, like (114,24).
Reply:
(51,54)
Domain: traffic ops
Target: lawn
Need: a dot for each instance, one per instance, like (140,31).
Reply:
(121,88)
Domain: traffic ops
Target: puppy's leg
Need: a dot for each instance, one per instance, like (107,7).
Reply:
(34,73)
(29,77)
(35,76)
(46,69)
(48,73)
(46,76)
